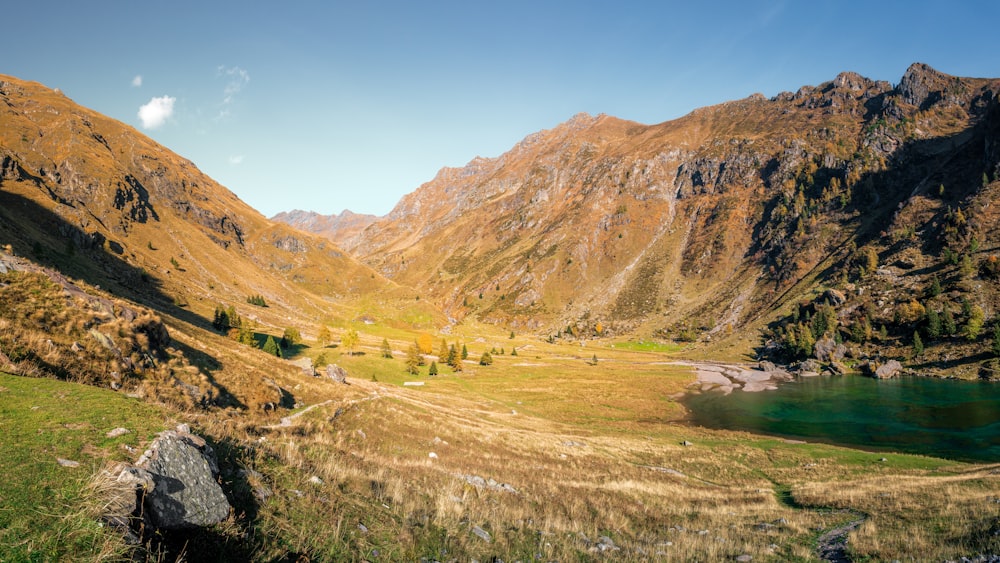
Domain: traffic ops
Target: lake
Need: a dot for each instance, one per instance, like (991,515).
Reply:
(921,415)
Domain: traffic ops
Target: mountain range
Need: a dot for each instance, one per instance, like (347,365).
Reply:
(708,225)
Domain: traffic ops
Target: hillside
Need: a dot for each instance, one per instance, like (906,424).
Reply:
(101,202)
(705,227)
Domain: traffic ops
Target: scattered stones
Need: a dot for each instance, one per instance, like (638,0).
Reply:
(67,462)
(315,480)
(483,534)
(117,432)
(492,484)
(605,544)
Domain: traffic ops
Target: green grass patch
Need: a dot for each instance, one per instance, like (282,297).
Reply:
(647,346)
(45,512)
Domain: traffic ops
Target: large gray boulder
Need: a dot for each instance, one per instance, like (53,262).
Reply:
(185,492)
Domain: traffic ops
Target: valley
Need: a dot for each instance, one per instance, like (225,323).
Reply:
(501,367)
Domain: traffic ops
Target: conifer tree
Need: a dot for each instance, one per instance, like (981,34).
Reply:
(443,352)
(933,324)
(486,359)
(433,370)
(513,351)
(271,347)
(413,360)
(451,357)
(465,352)
(948,327)
(996,339)
(918,345)
(386,350)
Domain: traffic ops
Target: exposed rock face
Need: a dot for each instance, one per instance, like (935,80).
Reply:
(185,492)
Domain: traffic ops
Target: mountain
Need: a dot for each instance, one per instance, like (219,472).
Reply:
(337,228)
(99,201)
(703,226)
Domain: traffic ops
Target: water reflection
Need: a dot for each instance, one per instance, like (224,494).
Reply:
(942,418)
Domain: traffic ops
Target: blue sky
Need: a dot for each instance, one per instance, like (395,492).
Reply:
(333,105)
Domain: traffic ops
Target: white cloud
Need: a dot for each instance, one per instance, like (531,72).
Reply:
(236,79)
(236,159)
(137,81)
(156,112)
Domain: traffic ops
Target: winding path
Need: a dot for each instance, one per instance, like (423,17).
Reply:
(832,545)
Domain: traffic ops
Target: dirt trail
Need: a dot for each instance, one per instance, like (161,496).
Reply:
(832,546)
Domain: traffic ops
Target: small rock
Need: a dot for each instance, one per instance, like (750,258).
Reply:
(315,480)
(362,434)
(67,462)
(686,443)
(483,534)
(363,528)
(744,558)
(432,455)
(117,432)
(336,373)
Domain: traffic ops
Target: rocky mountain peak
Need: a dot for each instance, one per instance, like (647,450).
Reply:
(921,85)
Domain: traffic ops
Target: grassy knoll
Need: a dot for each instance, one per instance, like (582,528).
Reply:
(47,510)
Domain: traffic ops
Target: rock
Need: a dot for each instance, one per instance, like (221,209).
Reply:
(336,373)
(888,370)
(838,368)
(604,543)
(483,534)
(828,350)
(744,558)
(686,443)
(767,367)
(363,528)
(834,297)
(67,462)
(432,455)
(117,432)
(315,480)
(185,492)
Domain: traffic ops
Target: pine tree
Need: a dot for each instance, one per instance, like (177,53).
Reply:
(935,289)
(413,360)
(451,357)
(974,326)
(918,345)
(948,327)
(933,325)
(512,335)
(996,339)
(433,370)
(443,352)
(513,351)
(271,347)
(486,359)
(465,352)
(386,350)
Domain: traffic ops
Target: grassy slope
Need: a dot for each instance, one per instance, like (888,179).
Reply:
(47,511)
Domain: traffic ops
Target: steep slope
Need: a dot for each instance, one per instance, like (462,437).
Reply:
(690,228)
(338,228)
(103,203)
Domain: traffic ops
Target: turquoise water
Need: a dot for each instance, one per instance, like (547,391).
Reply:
(922,415)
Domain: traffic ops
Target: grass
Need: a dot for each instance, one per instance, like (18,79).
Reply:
(46,510)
